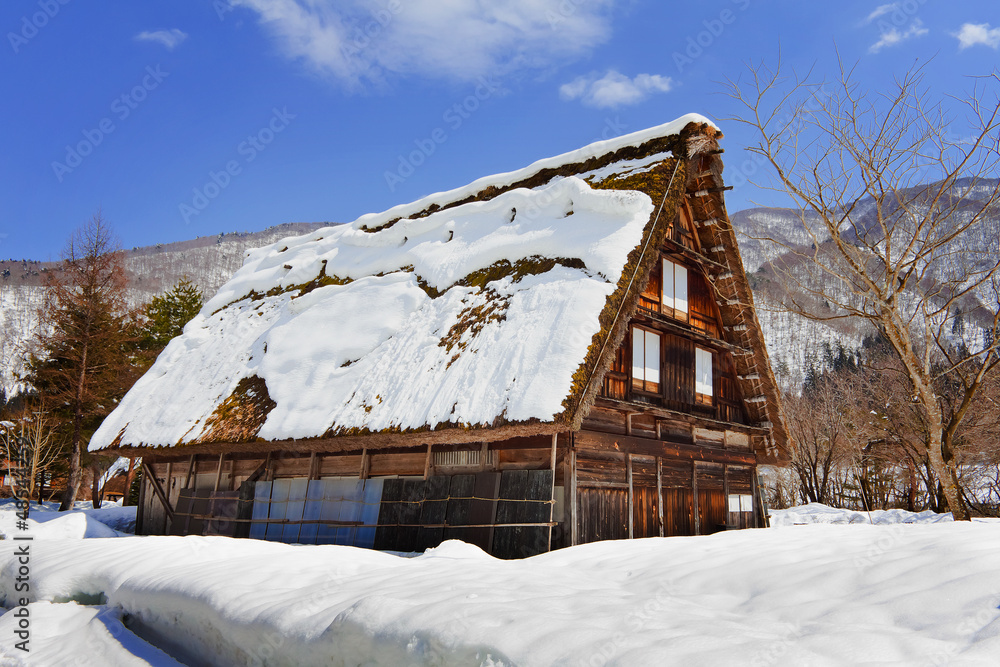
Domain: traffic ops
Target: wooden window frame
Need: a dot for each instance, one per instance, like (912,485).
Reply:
(671,310)
(702,398)
(644,389)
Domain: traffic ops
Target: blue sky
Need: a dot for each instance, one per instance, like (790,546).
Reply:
(181,118)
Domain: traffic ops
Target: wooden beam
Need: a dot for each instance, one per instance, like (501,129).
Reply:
(218,473)
(696,420)
(140,511)
(192,462)
(484,455)
(659,493)
(552,506)
(694,498)
(574,531)
(631,497)
(652,447)
(366,464)
(725,489)
(428,461)
(158,489)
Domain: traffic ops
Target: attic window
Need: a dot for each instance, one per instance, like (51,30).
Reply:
(703,385)
(675,290)
(645,360)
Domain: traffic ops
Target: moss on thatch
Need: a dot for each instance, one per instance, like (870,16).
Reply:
(240,416)
(662,184)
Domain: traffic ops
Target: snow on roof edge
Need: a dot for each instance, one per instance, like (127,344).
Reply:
(503,179)
(507,178)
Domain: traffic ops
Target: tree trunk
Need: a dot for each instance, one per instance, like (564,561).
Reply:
(947,478)
(75,472)
(95,486)
(75,477)
(944,468)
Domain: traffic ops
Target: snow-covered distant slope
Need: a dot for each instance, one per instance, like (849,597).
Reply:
(207,261)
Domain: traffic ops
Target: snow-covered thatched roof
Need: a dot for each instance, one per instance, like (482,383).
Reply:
(482,309)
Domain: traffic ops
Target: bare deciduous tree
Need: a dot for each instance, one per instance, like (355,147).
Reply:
(30,443)
(899,196)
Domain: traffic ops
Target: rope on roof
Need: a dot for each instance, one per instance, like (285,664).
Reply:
(631,280)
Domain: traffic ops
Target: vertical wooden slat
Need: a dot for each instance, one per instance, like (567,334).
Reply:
(725,490)
(631,497)
(552,506)
(574,535)
(170,470)
(427,461)
(311,475)
(218,473)
(140,512)
(484,454)
(659,492)
(694,498)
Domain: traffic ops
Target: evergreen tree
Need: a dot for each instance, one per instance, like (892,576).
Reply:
(168,313)
(81,355)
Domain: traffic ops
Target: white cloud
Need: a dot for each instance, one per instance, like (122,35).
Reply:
(972,34)
(168,38)
(614,89)
(882,10)
(893,36)
(358,41)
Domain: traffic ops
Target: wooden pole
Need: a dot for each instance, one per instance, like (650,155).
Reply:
(659,493)
(552,506)
(574,530)
(365,463)
(694,498)
(631,497)
(218,473)
(428,460)
(140,511)
(484,455)
(725,490)
(312,468)
(192,462)
(155,484)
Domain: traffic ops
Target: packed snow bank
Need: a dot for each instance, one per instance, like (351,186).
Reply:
(46,522)
(820,513)
(71,635)
(816,595)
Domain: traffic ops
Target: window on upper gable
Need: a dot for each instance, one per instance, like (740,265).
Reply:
(645,360)
(703,376)
(674,294)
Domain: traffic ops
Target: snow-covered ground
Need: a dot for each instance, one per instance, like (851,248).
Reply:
(892,593)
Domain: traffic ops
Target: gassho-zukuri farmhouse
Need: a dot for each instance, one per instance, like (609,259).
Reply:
(552,356)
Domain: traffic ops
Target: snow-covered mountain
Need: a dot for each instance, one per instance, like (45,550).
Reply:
(208,261)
